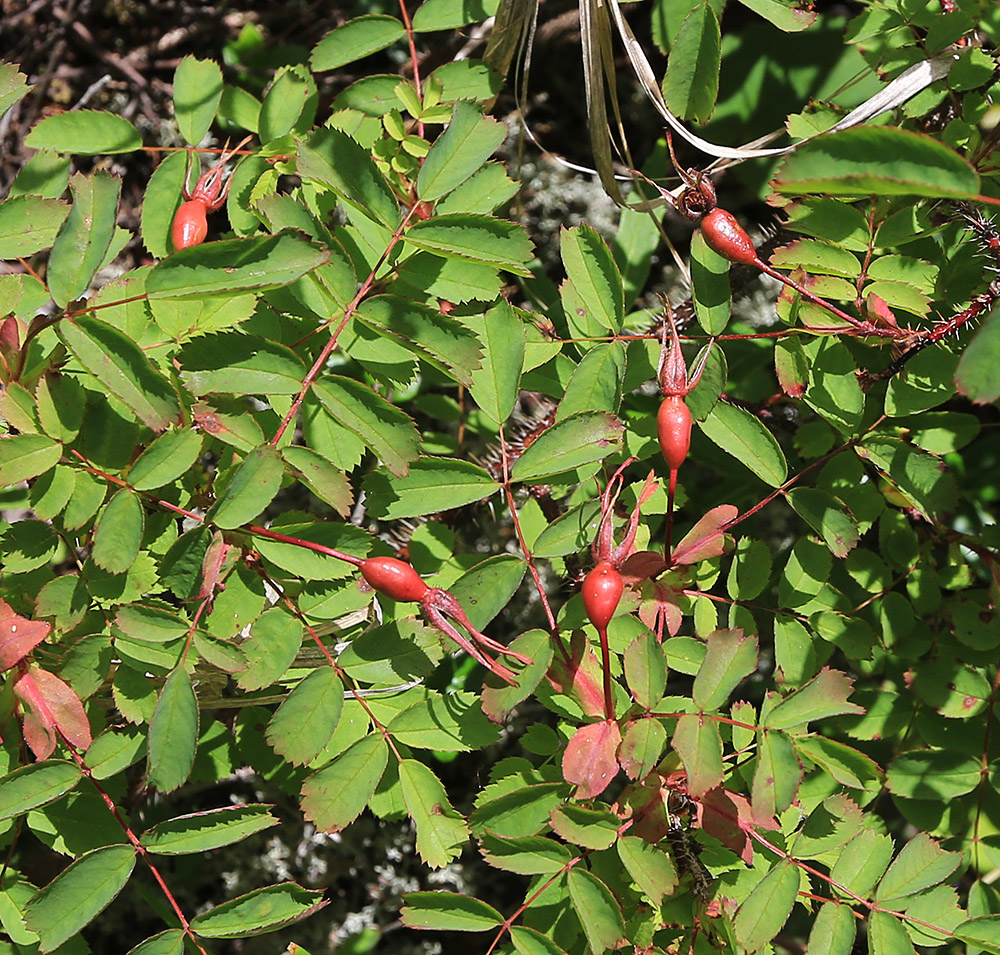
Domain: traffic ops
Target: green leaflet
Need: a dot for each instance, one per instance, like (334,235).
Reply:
(333,797)
(441,831)
(205,831)
(85,236)
(448,911)
(263,910)
(78,894)
(197,91)
(355,39)
(173,733)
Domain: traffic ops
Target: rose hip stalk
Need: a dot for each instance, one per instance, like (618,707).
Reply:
(603,586)
(397,579)
(190,224)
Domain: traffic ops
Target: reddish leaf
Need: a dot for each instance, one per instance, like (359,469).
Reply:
(18,635)
(641,566)
(660,608)
(707,538)
(647,800)
(50,705)
(728,817)
(581,678)
(590,761)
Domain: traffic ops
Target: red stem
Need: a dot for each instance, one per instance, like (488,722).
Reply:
(136,844)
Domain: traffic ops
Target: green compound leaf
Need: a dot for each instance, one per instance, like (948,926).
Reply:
(776,777)
(432,485)
(166,459)
(528,855)
(85,132)
(495,383)
(438,339)
(448,912)
(823,696)
(529,942)
(828,516)
(85,236)
(259,912)
(646,670)
(932,774)
(78,895)
(29,224)
(697,742)
(469,140)
(334,797)
(448,15)
(118,536)
(910,164)
(592,270)
(13,86)
(321,476)
(332,159)
(275,638)
(475,238)
(710,288)
(765,911)
(122,367)
(691,82)
(36,785)
(982,932)
(596,384)
(307,719)
(173,733)
(441,831)
(233,265)
(170,942)
(499,698)
(355,39)
(917,474)
(921,864)
(743,436)
(581,826)
(250,490)
(452,724)
(597,910)
(24,456)
(786,15)
(834,930)
(730,655)
(233,363)
(650,868)
(886,935)
(197,91)
(580,439)
(387,431)
(519,812)
(205,831)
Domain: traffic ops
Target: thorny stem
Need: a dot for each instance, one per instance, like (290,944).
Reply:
(136,844)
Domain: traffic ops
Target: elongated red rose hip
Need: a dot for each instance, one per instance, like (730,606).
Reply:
(673,428)
(602,589)
(190,225)
(727,237)
(393,577)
